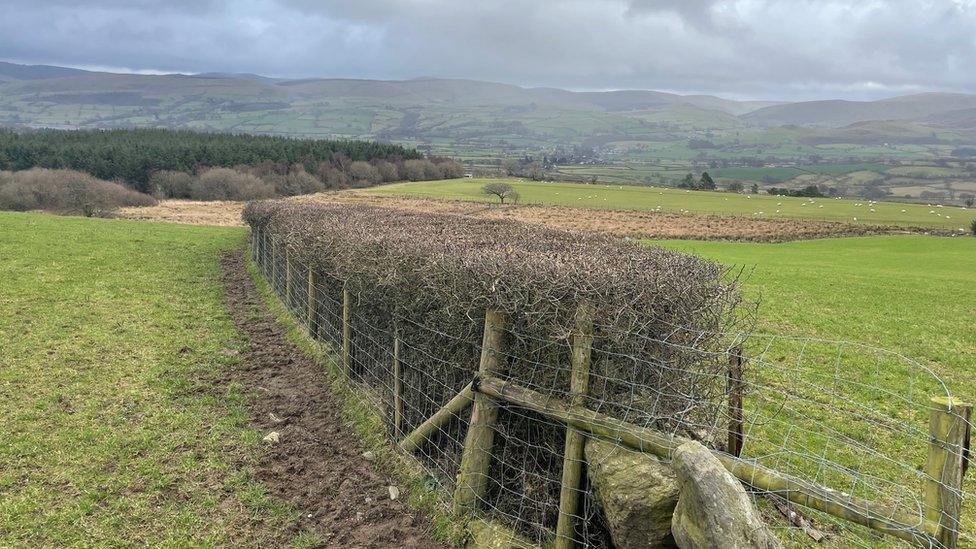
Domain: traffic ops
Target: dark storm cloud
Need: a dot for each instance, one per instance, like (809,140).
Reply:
(744,48)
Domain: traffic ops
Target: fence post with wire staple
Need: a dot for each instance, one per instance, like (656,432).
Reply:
(944,468)
(310,301)
(346,330)
(579,385)
(472,481)
(735,388)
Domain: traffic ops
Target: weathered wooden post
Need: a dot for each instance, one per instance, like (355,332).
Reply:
(264,253)
(472,481)
(310,303)
(274,268)
(449,411)
(735,389)
(288,278)
(579,385)
(949,440)
(397,382)
(346,331)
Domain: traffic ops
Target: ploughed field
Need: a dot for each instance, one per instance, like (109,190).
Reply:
(668,199)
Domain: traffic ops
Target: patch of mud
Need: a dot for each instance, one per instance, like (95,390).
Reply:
(317,464)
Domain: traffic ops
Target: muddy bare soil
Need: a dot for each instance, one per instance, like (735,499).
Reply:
(317,466)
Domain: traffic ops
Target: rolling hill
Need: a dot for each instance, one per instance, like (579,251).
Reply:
(474,119)
(837,113)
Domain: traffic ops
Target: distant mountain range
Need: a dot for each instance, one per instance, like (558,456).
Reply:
(448,113)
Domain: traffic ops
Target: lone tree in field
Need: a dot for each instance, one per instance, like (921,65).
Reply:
(707,182)
(502,190)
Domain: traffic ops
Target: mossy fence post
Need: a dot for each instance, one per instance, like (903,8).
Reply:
(579,386)
(944,468)
(472,481)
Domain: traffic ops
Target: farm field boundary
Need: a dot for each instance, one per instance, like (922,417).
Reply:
(822,433)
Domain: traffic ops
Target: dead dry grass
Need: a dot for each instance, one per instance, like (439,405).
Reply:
(620,223)
(191,212)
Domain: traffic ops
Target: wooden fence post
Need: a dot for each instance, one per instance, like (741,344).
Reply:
(397,383)
(949,441)
(264,253)
(579,386)
(735,389)
(449,411)
(346,331)
(288,279)
(310,303)
(274,268)
(472,481)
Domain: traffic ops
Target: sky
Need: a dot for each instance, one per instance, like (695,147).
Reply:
(742,49)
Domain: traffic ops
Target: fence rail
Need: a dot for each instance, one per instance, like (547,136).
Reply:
(831,426)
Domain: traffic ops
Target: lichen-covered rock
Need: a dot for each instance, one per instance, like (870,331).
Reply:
(713,509)
(637,493)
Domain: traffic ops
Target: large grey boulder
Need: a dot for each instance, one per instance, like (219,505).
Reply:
(636,492)
(713,509)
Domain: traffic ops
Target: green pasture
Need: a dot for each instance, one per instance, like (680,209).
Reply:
(779,174)
(677,200)
(910,295)
(114,432)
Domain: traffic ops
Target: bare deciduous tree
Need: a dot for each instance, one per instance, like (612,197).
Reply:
(502,190)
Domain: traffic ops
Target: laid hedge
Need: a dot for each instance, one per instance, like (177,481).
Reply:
(661,319)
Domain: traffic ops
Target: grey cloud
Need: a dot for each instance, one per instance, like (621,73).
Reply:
(740,48)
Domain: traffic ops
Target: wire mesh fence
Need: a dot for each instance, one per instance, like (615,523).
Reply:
(833,439)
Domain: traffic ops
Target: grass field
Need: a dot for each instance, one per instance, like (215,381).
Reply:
(677,200)
(112,331)
(912,295)
(113,433)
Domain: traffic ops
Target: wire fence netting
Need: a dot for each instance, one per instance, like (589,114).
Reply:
(848,418)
